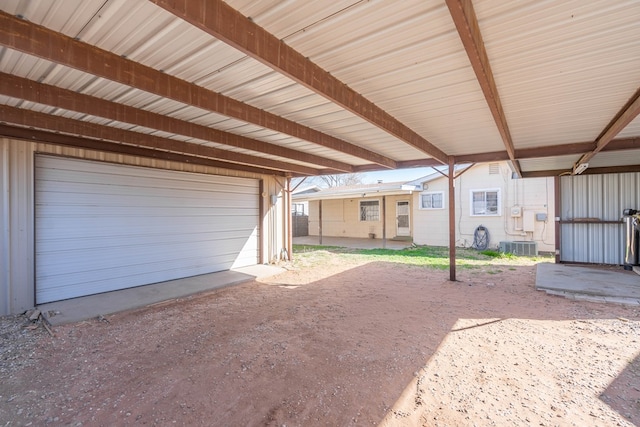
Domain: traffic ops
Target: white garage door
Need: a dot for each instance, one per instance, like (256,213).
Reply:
(102,227)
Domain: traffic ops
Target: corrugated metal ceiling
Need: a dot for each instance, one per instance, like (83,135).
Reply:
(563,70)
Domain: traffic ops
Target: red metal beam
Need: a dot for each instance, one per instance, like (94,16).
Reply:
(227,24)
(547,151)
(468,28)
(452,221)
(21,88)
(44,43)
(49,122)
(625,116)
(29,134)
(589,171)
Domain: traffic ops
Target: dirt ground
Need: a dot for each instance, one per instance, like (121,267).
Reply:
(340,344)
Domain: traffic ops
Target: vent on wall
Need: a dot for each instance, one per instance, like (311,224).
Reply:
(519,248)
(494,168)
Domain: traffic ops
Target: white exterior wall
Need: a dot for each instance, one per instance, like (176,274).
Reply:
(534,195)
(17,246)
(341,217)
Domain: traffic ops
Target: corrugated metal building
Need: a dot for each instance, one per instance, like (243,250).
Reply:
(269,90)
(78,222)
(591,230)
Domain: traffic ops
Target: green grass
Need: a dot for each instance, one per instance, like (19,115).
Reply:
(423,256)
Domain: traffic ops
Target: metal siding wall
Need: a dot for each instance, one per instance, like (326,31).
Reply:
(103,227)
(17,281)
(596,196)
(16,217)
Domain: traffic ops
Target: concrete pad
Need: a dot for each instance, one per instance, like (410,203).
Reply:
(589,283)
(77,309)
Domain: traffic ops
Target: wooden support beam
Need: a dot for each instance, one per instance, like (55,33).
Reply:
(225,23)
(320,222)
(28,134)
(28,118)
(625,116)
(261,234)
(384,222)
(42,42)
(452,221)
(468,28)
(29,90)
(548,151)
(557,201)
(589,171)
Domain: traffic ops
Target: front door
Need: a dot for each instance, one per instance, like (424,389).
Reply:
(402,219)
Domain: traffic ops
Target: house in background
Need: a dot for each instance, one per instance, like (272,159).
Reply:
(510,210)
(516,215)
(359,210)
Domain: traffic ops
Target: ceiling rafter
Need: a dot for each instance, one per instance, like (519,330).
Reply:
(227,24)
(29,134)
(22,88)
(23,117)
(589,171)
(625,116)
(44,43)
(466,23)
(531,153)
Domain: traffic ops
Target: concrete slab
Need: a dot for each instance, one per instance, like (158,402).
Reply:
(78,309)
(353,243)
(589,283)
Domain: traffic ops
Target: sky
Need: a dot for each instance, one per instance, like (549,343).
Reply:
(397,175)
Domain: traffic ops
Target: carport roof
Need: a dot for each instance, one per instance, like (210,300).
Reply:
(300,88)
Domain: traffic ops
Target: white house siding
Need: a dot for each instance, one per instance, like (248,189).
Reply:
(17,245)
(534,195)
(341,217)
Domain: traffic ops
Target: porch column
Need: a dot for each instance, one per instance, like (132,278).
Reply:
(289,221)
(320,222)
(384,222)
(452,221)
(558,214)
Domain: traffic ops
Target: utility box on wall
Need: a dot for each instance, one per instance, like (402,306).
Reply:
(528,221)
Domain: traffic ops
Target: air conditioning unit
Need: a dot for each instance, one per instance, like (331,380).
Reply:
(519,248)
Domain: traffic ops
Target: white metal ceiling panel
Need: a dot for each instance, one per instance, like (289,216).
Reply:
(550,163)
(615,158)
(563,68)
(632,129)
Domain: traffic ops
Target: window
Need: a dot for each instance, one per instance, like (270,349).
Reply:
(485,202)
(432,200)
(369,210)
(297,209)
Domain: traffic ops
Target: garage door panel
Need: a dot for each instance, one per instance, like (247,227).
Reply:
(97,258)
(103,227)
(139,195)
(121,182)
(141,240)
(140,226)
(78,284)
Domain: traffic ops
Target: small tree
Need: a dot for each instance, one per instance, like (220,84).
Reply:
(340,180)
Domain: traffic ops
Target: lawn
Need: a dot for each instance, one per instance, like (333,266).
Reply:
(436,257)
